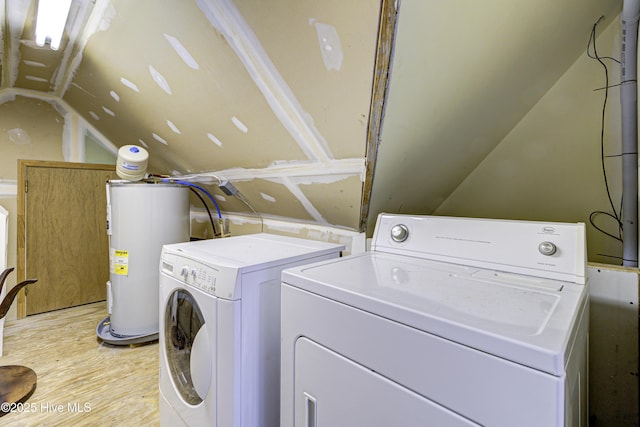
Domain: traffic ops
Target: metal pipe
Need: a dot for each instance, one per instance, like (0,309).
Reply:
(629,113)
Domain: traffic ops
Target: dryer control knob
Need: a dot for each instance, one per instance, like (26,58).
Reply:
(547,248)
(399,233)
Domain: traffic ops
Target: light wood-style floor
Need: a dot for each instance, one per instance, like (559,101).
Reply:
(81,381)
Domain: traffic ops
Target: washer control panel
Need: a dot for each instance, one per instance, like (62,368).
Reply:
(191,272)
(199,276)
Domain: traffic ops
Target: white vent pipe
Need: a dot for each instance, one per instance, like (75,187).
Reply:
(629,112)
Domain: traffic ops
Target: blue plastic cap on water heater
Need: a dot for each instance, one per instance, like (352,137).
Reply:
(132,162)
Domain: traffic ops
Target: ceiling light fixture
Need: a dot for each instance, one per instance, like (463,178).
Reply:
(50,21)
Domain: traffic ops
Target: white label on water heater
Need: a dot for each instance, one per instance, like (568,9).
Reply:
(120,261)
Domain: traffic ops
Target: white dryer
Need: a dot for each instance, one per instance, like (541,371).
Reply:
(445,322)
(220,328)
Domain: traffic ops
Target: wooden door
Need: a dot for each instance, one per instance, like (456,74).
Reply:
(62,239)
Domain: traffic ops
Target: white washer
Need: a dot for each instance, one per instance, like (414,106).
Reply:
(220,327)
(445,322)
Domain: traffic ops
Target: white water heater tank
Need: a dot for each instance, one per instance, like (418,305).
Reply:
(141,218)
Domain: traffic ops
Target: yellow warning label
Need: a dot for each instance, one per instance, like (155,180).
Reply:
(121,269)
(120,261)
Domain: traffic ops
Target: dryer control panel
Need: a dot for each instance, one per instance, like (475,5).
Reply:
(551,250)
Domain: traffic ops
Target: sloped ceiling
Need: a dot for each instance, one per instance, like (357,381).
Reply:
(276,95)
(273,96)
(464,74)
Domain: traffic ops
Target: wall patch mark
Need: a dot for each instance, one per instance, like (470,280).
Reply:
(36,79)
(330,46)
(34,63)
(159,139)
(129,84)
(182,52)
(267,197)
(160,80)
(214,139)
(243,128)
(173,127)
(19,136)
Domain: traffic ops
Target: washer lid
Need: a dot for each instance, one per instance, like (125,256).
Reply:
(253,251)
(525,319)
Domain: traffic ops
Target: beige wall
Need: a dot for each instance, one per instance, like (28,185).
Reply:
(549,167)
(492,112)
(32,129)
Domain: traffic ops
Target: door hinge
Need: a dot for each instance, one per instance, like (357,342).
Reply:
(26,186)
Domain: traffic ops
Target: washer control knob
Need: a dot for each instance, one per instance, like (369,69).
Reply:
(184,272)
(399,233)
(547,248)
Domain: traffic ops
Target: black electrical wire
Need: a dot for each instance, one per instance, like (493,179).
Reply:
(592,221)
(191,184)
(611,256)
(615,215)
(593,38)
(616,85)
(194,191)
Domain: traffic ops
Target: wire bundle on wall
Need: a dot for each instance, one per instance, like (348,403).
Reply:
(614,215)
(617,214)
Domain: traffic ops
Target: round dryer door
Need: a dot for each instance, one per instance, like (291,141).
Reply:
(187,347)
